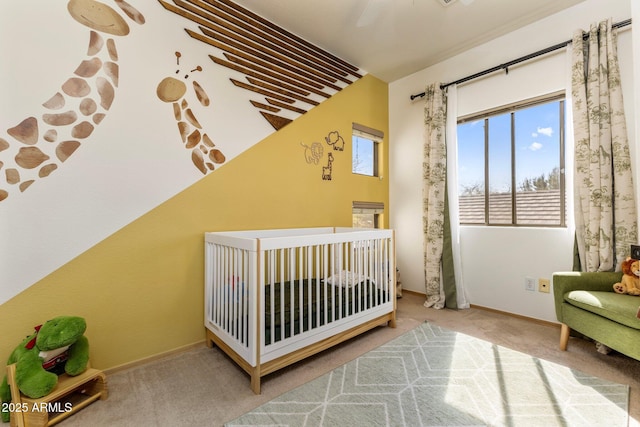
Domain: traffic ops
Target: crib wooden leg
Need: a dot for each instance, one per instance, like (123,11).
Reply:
(255,380)
(209,340)
(392,320)
(564,337)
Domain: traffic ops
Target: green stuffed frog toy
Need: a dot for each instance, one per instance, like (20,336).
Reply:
(57,346)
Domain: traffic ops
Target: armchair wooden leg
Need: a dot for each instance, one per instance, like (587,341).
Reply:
(564,337)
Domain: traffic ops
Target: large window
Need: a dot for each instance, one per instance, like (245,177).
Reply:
(511,165)
(364,142)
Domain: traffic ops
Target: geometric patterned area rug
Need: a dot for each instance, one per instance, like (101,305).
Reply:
(431,376)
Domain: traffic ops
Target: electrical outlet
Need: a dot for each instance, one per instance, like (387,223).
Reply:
(544,285)
(529,284)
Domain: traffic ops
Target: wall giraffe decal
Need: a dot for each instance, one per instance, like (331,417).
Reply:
(33,152)
(327,170)
(172,90)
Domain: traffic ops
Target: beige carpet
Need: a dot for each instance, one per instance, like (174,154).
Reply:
(432,376)
(202,387)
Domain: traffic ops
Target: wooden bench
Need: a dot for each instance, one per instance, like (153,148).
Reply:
(70,395)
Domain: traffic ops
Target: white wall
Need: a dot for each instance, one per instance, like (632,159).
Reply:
(495,260)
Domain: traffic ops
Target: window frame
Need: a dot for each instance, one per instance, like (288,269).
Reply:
(511,109)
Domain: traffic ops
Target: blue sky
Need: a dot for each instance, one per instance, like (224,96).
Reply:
(362,155)
(537,147)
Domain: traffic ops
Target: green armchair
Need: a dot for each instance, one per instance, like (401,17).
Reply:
(587,304)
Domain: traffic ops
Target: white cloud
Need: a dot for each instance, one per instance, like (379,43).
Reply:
(545,131)
(535,146)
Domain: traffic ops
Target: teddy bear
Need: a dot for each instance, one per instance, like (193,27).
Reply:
(57,346)
(630,282)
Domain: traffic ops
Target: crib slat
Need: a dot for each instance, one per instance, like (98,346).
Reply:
(370,290)
(378,273)
(272,283)
(282,296)
(243,297)
(300,286)
(309,275)
(294,287)
(324,270)
(225,304)
(234,294)
(338,314)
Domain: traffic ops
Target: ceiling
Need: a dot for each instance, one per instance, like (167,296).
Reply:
(394,38)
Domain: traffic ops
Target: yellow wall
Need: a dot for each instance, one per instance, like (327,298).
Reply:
(141,289)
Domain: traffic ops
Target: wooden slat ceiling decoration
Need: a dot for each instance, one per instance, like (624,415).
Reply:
(290,73)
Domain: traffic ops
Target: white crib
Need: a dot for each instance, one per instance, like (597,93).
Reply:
(274,297)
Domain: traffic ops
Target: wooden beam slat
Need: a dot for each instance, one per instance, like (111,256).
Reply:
(253,33)
(285,106)
(204,24)
(244,55)
(272,58)
(291,78)
(259,76)
(220,45)
(265,106)
(279,32)
(261,91)
(205,21)
(276,121)
(267,79)
(281,91)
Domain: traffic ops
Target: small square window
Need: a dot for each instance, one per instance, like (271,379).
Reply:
(367,214)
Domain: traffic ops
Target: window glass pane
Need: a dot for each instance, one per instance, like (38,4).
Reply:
(500,205)
(538,164)
(363,157)
(471,172)
(363,220)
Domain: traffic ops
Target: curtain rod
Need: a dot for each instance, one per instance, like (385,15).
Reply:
(506,65)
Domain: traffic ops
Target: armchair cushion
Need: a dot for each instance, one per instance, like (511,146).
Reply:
(620,308)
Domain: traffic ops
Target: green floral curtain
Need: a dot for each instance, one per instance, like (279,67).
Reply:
(605,207)
(434,169)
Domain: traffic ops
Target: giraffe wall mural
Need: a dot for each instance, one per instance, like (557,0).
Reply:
(172,90)
(33,148)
